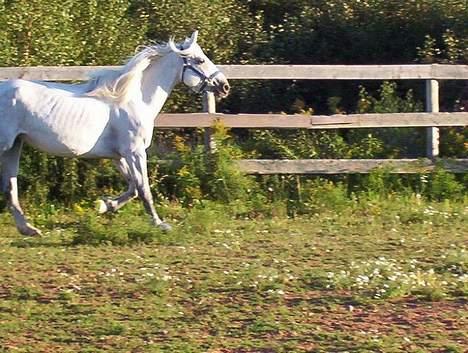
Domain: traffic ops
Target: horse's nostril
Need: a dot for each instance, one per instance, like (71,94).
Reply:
(226,87)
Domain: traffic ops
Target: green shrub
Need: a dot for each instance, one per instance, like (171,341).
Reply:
(322,194)
(195,174)
(443,185)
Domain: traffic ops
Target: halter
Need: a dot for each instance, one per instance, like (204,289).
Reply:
(205,80)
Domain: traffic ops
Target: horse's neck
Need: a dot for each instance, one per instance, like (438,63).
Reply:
(157,83)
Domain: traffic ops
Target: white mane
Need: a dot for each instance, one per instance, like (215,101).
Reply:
(117,84)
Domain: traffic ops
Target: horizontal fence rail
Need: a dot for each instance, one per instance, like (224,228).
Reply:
(283,121)
(431,119)
(349,166)
(267,72)
(347,72)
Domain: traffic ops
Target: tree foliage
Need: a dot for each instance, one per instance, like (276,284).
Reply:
(70,32)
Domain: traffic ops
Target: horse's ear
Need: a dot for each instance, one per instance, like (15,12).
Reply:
(185,46)
(193,38)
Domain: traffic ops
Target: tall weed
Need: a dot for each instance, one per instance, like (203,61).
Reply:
(195,174)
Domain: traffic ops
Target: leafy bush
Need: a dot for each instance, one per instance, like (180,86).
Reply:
(444,185)
(195,174)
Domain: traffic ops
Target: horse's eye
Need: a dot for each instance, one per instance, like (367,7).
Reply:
(200,61)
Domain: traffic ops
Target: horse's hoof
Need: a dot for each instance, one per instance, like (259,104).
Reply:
(30,231)
(101,206)
(165,227)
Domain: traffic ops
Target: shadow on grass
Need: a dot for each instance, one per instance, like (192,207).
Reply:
(99,231)
(37,242)
(127,227)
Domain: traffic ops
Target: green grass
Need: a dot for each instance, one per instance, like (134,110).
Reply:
(378,276)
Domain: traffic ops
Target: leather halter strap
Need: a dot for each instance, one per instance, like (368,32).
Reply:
(205,80)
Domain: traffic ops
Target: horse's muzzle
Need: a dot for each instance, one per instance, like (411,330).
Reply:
(218,84)
(222,88)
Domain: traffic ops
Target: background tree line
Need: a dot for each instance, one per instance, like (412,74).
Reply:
(94,32)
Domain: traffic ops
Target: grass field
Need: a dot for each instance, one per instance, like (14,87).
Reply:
(376,277)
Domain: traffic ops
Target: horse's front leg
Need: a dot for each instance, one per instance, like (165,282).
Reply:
(9,161)
(112,205)
(139,173)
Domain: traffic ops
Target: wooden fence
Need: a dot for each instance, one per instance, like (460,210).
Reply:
(431,119)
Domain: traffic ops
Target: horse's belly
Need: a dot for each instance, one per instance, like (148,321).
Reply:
(74,140)
(68,127)
(58,146)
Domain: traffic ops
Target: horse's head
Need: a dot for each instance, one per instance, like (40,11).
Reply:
(198,72)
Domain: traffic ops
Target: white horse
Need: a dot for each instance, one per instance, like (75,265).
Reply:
(110,116)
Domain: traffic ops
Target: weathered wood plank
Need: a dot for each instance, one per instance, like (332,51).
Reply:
(432,106)
(233,120)
(270,72)
(282,121)
(346,72)
(209,106)
(349,166)
(446,72)
(389,120)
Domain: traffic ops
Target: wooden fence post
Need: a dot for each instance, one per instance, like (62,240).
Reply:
(209,106)
(432,106)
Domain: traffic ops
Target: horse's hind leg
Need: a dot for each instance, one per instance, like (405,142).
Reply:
(112,205)
(9,161)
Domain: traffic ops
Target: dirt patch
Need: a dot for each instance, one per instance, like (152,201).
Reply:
(398,317)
